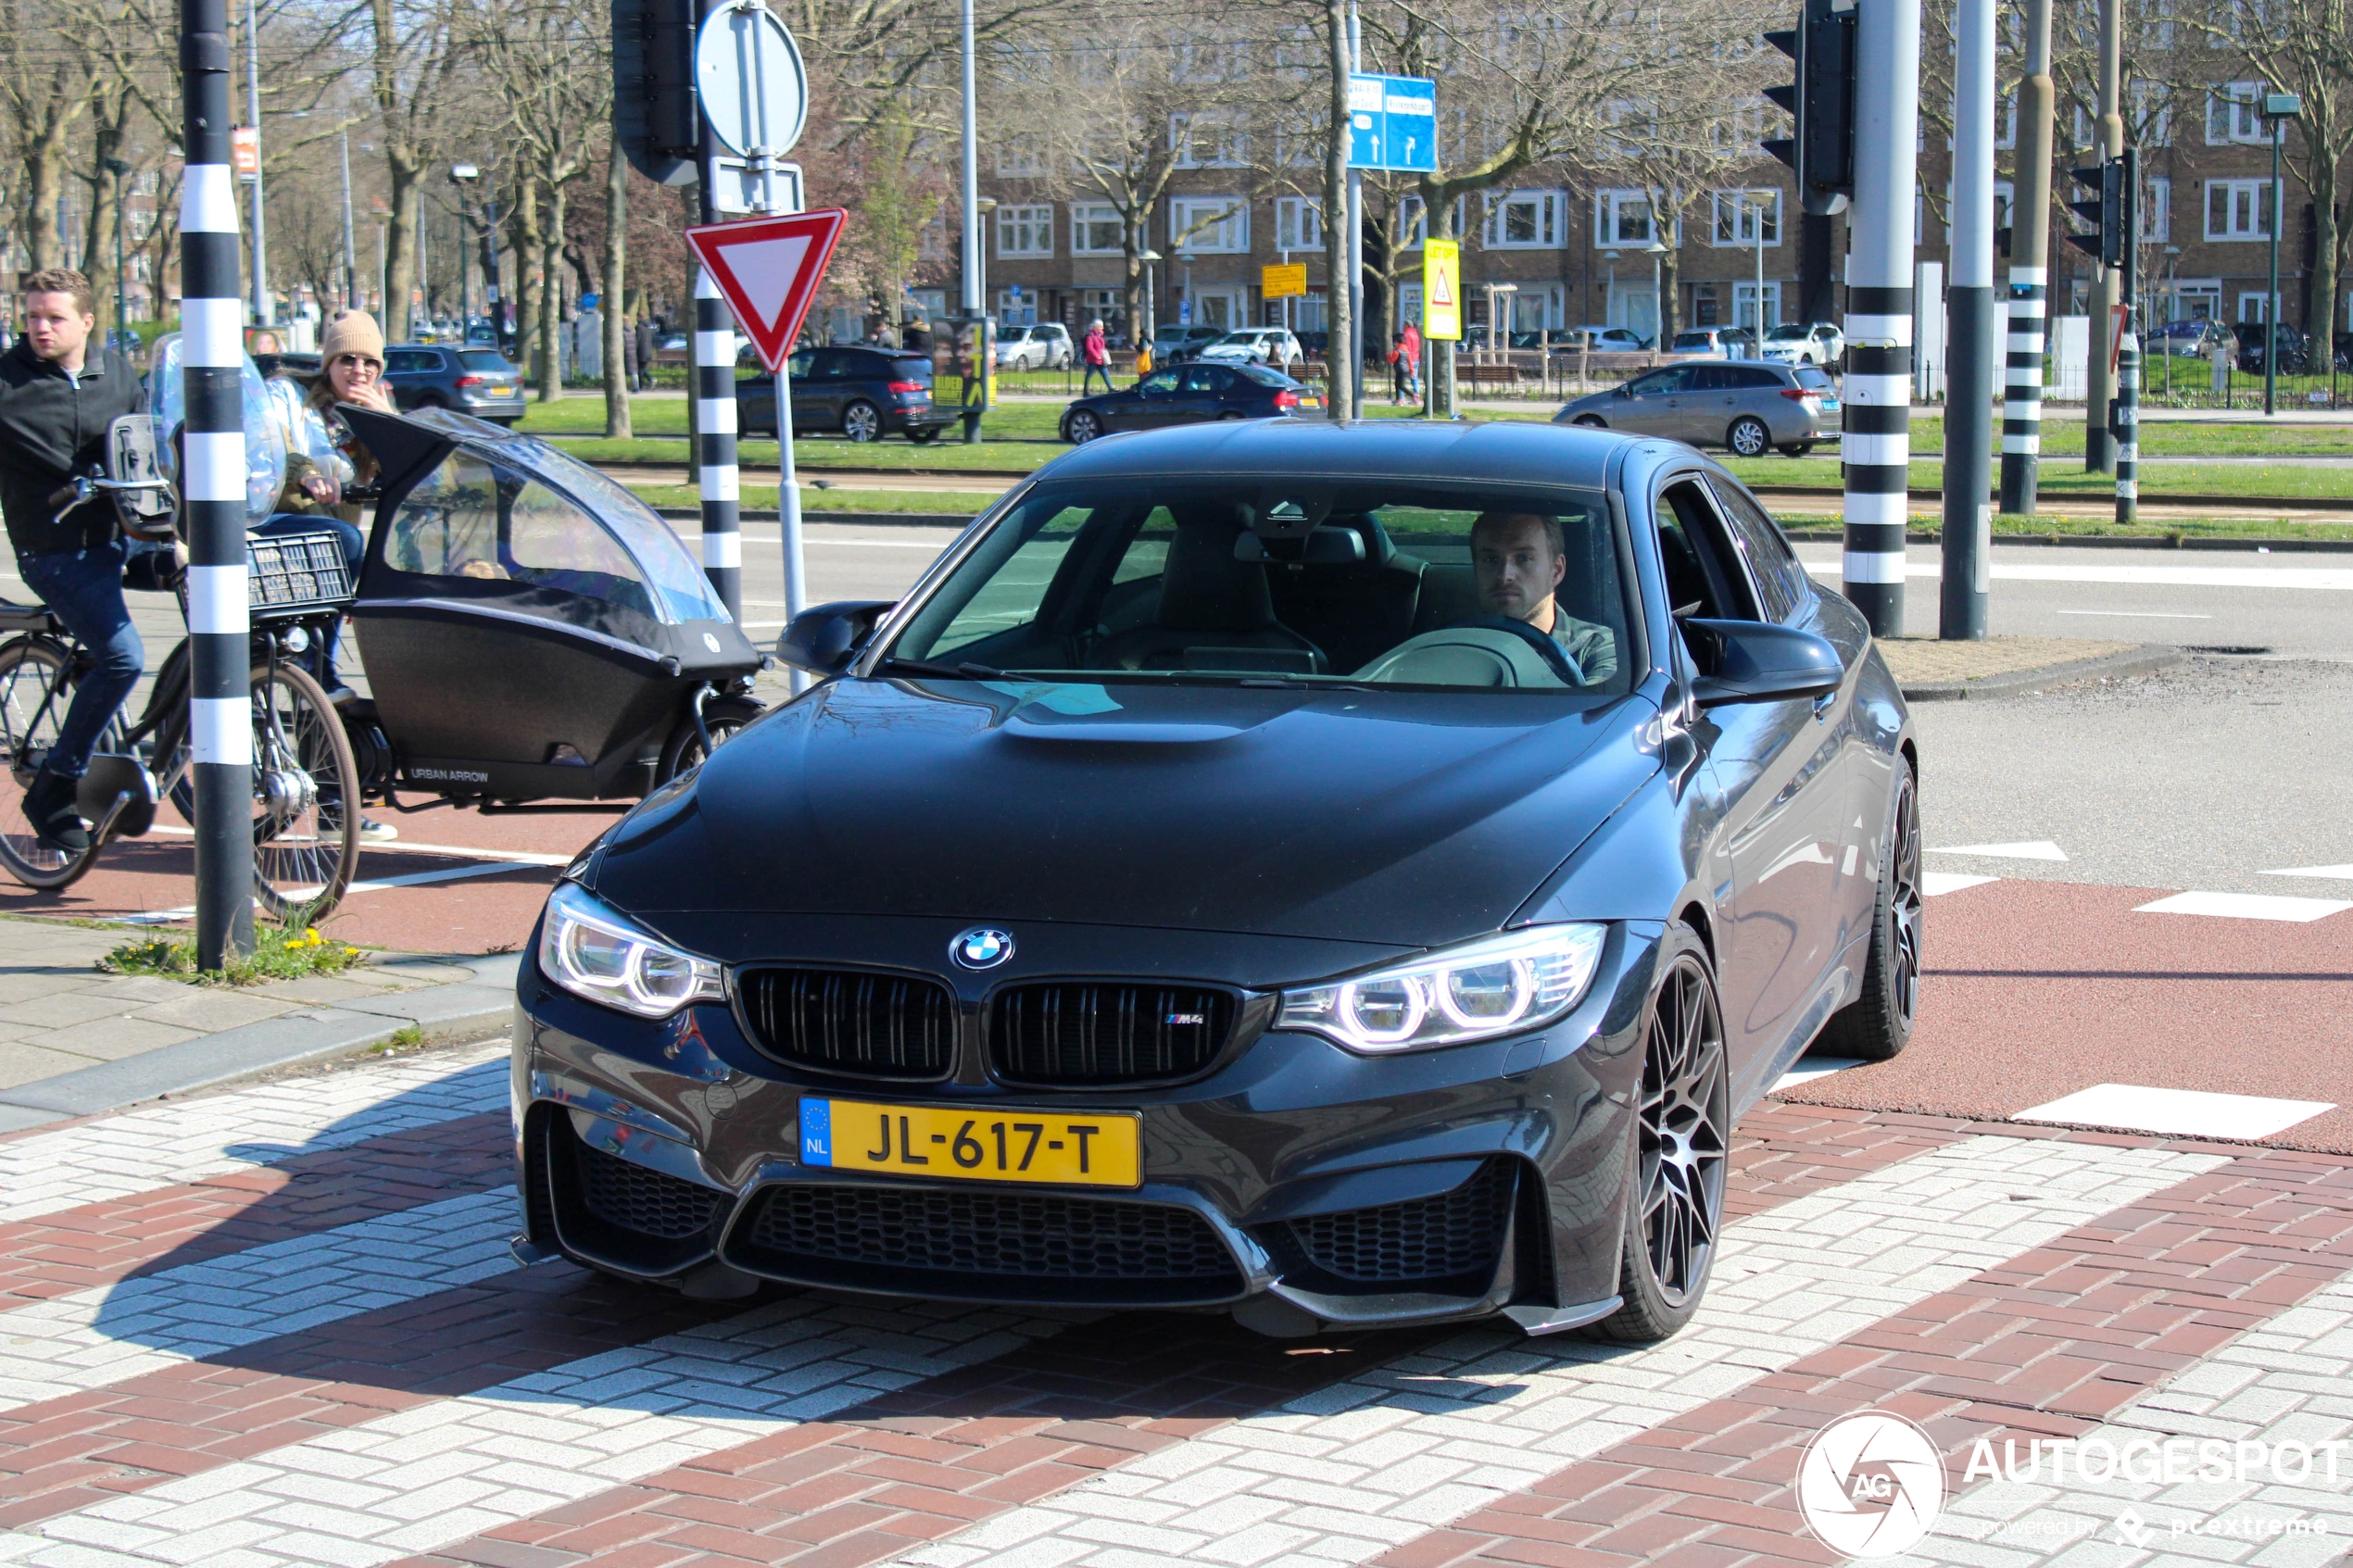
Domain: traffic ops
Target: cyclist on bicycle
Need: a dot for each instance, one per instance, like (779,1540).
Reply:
(59,394)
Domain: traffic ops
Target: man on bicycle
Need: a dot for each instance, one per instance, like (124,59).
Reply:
(59,394)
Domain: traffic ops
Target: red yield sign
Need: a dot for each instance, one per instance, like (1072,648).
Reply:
(769,270)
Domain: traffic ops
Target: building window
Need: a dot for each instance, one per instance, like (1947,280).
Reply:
(2235,115)
(2152,115)
(1526,221)
(2238,209)
(1096,230)
(1016,307)
(1021,157)
(1207,140)
(1744,219)
(1415,227)
(2251,310)
(1208,225)
(1299,223)
(1026,231)
(1621,218)
(2157,208)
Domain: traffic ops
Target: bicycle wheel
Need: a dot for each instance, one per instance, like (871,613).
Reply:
(306,798)
(30,719)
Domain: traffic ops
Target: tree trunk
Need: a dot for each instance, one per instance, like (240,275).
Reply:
(616,280)
(551,300)
(404,169)
(1670,297)
(97,254)
(1340,353)
(44,156)
(530,252)
(2325,241)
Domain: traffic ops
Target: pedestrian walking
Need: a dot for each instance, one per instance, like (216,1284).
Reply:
(59,394)
(629,363)
(1095,350)
(917,338)
(647,343)
(1409,361)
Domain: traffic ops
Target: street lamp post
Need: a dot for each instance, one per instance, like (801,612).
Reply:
(263,313)
(117,168)
(2278,108)
(1656,251)
(1757,325)
(462,175)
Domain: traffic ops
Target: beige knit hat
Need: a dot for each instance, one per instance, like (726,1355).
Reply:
(353,332)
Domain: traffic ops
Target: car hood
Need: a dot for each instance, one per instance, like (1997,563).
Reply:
(1400,818)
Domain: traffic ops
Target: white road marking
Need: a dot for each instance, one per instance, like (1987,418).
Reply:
(403,847)
(72,1344)
(1932,884)
(2036,849)
(2247,906)
(1809,1068)
(1347,1473)
(2141,614)
(2321,578)
(2183,1112)
(2333,874)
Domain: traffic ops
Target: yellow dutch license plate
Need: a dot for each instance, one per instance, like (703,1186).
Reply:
(1311,402)
(1099,1148)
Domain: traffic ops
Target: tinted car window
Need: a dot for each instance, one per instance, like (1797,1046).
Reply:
(1159,381)
(1174,581)
(1206,378)
(484,359)
(1752,377)
(910,369)
(1263,375)
(1811,378)
(1781,579)
(1659,382)
(398,359)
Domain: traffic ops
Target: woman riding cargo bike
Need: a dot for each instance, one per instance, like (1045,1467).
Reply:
(93,511)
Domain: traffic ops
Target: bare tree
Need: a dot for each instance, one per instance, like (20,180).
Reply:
(46,85)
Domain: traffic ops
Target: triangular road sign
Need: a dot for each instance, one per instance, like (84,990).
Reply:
(769,270)
(1441,288)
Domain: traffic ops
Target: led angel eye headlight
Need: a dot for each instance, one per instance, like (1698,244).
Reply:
(593,951)
(1504,984)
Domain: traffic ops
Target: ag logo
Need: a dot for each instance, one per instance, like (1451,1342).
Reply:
(984,946)
(1871,1485)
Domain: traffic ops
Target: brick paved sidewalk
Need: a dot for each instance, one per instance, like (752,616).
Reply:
(75,1038)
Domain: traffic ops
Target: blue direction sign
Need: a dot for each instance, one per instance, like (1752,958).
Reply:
(1393,123)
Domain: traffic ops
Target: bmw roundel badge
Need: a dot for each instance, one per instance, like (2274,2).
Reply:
(984,946)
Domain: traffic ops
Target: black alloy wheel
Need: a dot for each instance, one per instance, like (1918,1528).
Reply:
(722,716)
(1082,426)
(1877,1025)
(862,421)
(1748,437)
(1682,1142)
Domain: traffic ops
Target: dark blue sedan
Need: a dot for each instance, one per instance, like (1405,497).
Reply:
(1187,394)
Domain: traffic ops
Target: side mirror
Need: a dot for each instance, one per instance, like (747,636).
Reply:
(1758,661)
(822,639)
(1623,391)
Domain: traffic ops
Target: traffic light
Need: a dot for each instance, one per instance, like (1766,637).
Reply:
(1821,102)
(2109,213)
(655,112)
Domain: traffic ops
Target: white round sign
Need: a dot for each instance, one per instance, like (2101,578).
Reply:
(754,89)
(1871,1485)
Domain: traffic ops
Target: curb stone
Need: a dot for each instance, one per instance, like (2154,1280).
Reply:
(2144,660)
(481,1004)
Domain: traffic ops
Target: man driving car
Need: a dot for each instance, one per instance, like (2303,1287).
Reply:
(1520,558)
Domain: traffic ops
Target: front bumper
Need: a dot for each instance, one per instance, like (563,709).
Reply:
(1295,1185)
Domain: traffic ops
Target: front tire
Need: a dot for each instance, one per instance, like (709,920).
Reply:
(862,421)
(1682,1142)
(1877,1026)
(1748,437)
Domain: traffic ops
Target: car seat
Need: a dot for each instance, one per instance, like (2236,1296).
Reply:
(1208,599)
(1354,610)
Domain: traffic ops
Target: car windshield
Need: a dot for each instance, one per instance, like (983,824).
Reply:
(1694,340)
(1239,340)
(1787,332)
(1411,585)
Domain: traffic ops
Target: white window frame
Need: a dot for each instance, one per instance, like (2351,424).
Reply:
(2243,198)
(2251,307)
(2153,113)
(1085,215)
(1227,236)
(1747,210)
(1026,230)
(1017,310)
(1548,219)
(1609,229)
(1299,223)
(2241,105)
(1021,155)
(1231,147)
(2157,208)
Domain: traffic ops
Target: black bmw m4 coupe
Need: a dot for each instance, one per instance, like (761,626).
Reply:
(1336,875)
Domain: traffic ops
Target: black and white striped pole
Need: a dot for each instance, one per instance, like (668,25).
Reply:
(2030,272)
(717,478)
(2127,344)
(1878,442)
(213,495)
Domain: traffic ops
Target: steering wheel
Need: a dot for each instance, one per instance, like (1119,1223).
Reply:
(1553,653)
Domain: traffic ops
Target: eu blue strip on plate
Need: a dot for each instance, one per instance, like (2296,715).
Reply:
(816,1132)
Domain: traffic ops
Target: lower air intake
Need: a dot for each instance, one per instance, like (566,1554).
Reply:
(1449,1236)
(622,1192)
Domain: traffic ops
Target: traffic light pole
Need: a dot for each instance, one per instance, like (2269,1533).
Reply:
(212,493)
(1969,373)
(2029,270)
(2099,439)
(1878,305)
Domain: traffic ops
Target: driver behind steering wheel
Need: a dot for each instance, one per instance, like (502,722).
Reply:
(1520,558)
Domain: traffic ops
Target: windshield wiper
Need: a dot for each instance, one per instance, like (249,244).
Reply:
(964,671)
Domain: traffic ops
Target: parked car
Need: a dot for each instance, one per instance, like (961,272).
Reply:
(1204,893)
(1174,344)
(1614,340)
(1256,346)
(1044,346)
(866,393)
(2295,353)
(1184,394)
(2187,339)
(1728,342)
(470,381)
(1799,342)
(1750,405)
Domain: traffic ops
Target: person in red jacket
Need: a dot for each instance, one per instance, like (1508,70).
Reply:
(1409,361)
(1096,352)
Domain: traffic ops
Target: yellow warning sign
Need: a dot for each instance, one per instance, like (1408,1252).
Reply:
(1283,282)
(1442,289)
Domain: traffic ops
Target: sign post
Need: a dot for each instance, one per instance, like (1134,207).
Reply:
(768,270)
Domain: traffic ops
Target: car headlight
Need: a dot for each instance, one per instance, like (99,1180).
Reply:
(1498,986)
(591,950)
